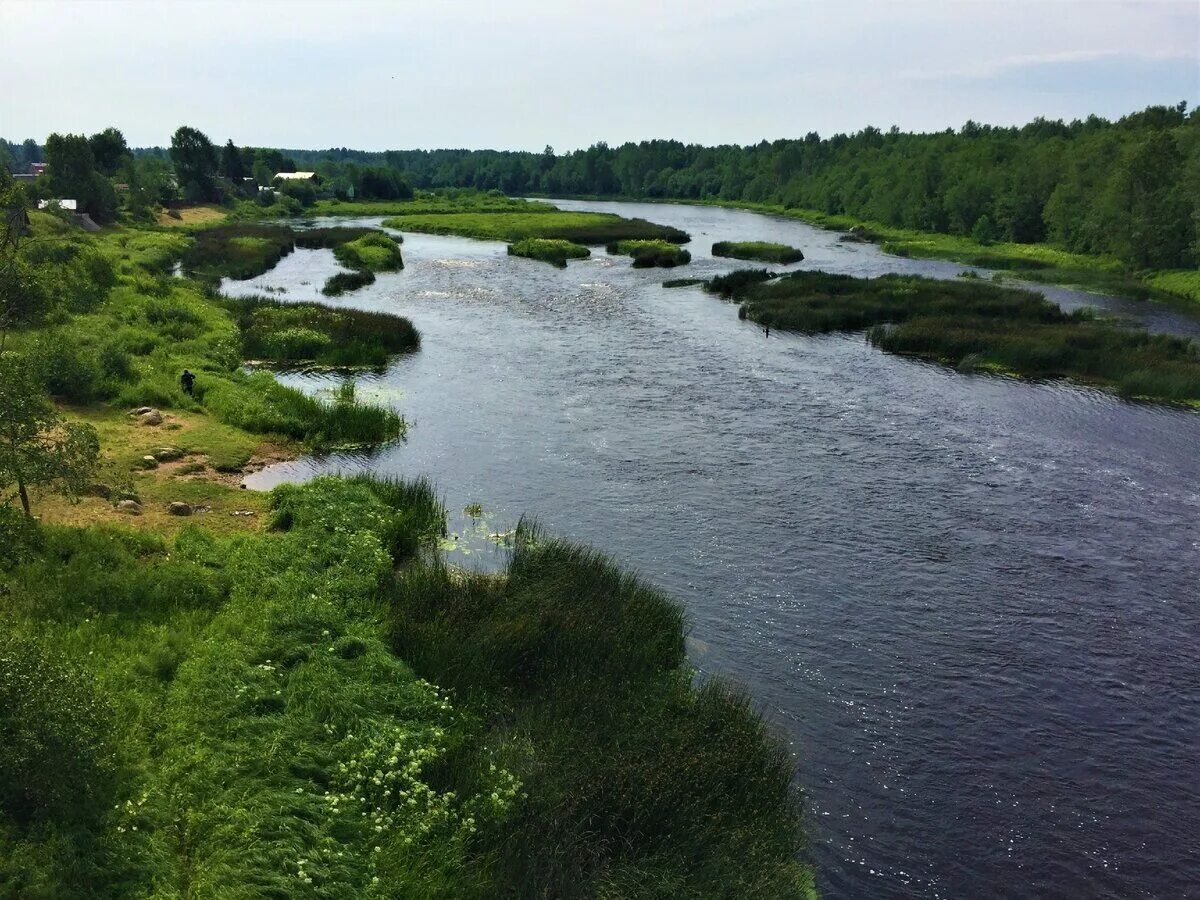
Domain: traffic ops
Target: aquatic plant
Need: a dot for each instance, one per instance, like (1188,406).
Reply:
(374,252)
(576,227)
(239,251)
(344,282)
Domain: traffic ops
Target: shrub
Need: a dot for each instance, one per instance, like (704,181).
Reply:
(58,760)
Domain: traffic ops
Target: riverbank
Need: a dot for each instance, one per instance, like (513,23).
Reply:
(1031,262)
(172,627)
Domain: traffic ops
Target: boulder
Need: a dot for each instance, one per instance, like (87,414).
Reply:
(150,417)
(141,410)
(179,508)
(149,462)
(167,454)
(132,507)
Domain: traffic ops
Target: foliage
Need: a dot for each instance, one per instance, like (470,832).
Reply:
(37,447)
(555,252)
(762,251)
(648,254)
(72,175)
(329,238)
(737,283)
(980,327)
(195,160)
(109,151)
(59,760)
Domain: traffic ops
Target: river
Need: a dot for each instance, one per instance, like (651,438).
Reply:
(970,603)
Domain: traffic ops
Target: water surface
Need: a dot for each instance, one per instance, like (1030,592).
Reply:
(969,602)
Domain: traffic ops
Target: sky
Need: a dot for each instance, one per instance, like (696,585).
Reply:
(520,74)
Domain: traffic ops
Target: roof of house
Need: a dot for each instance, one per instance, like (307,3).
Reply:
(72,205)
(296,176)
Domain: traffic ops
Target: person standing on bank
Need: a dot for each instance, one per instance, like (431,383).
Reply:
(187,379)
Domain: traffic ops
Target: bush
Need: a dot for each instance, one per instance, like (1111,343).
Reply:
(58,760)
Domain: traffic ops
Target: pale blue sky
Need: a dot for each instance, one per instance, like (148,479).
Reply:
(521,74)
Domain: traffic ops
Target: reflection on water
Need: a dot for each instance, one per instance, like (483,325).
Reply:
(969,602)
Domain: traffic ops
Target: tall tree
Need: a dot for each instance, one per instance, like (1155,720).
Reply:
(73,176)
(195,160)
(232,166)
(109,151)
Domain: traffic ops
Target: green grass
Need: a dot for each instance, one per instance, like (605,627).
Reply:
(576,227)
(430,204)
(555,252)
(372,252)
(979,327)
(1180,282)
(762,251)
(309,332)
(651,253)
(344,282)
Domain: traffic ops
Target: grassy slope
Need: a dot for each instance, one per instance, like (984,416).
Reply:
(248,677)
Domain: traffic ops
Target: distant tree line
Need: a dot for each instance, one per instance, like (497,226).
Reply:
(1130,188)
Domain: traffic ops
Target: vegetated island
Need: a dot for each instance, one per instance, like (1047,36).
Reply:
(204,688)
(974,327)
(577,227)
(649,254)
(551,250)
(761,251)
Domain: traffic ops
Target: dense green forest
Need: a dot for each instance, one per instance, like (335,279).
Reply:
(1129,188)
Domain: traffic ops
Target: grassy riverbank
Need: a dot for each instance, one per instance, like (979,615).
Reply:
(974,327)
(288,694)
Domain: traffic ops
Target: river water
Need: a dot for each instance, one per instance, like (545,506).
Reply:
(970,603)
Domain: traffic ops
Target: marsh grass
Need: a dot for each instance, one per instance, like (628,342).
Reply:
(651,253)
(344,282)
(331,237)
(555,252)
(641,783)
(238,251)
(371,252)
(683,282)
(577,227)
(981,327)
(310,332)
(762,251)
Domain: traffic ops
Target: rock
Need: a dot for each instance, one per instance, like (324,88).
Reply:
(148,462)
(141,410)
(179,508)
(130,506)
(168,454)
(99,490)
(151,417)
(242,512)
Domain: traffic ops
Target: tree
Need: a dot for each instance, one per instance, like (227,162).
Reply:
(232,166)
(195,160)
(72,173)
(109,151)
(37,446)
(24,297)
